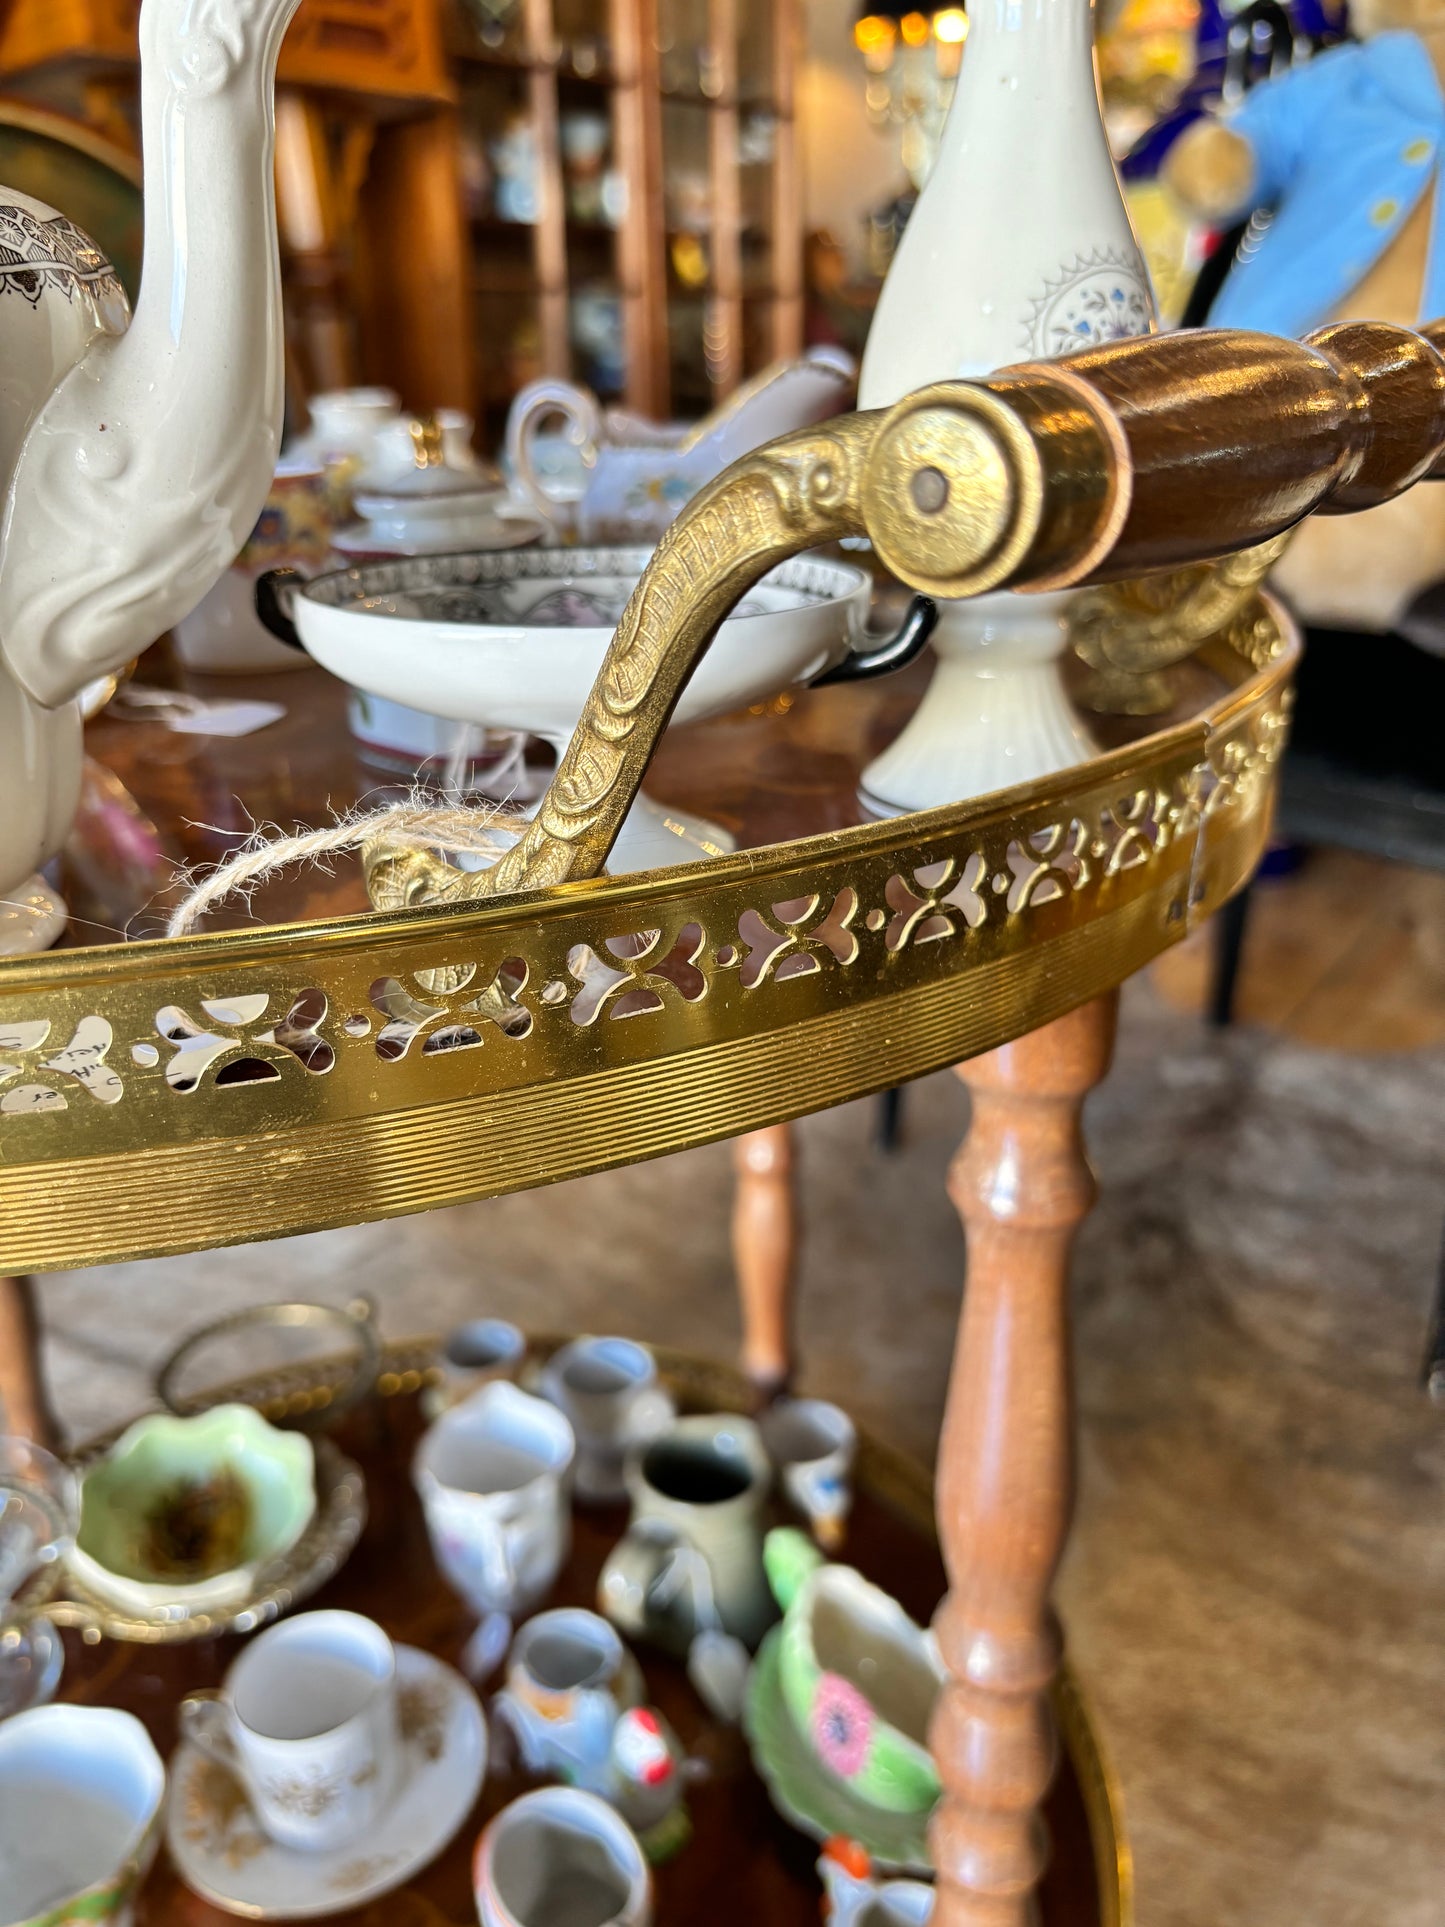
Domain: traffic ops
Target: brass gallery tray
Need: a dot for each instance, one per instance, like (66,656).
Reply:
(744,1861)
(171,1096)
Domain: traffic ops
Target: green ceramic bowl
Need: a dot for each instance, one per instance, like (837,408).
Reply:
(181,1513)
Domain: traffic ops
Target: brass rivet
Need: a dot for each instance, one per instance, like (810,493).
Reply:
(1383,212)
(930,491)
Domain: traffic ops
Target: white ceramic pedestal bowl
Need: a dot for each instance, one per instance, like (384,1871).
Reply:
(515,641)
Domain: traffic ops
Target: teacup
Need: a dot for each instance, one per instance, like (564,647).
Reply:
(561,1858)
(491,1474)
(307,1721)
(692,1559)
(569,1679)
(81,1790)
(475,1355)
(608,1388)
(813,1444)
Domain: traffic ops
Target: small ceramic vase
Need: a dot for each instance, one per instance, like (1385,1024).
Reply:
(812,1444)
(609,1391)
(559,1856)
(307,1721)
(853,1898)
(569,1680)
(491,1474)
(81,1793)
(1020,248)
(858,1677)
(692,1558)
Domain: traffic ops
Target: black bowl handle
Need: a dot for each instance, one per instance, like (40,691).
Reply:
(275,592)
(896,653)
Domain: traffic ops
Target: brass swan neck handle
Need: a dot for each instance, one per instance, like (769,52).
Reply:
(1144,457)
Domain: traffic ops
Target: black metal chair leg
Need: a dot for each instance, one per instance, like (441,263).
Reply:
(1229,929)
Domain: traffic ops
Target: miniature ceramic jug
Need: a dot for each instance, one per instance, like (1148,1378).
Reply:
(1019,249)
(636,475)
(135,459)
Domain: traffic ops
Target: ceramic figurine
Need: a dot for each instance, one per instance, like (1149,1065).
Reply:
(858,1677)
(854,1898)
(136,458)
(1019,249)
(645,1782)
(635,477)
(812,1445)
(1345,151)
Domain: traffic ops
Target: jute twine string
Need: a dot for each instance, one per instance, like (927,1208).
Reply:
(419,822)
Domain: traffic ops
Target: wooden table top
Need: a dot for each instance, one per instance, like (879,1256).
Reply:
(155,798)
(743,1863)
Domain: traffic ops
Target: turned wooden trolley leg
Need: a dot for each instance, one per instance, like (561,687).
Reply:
(1022,1185)
(24,1406)
(765,1249)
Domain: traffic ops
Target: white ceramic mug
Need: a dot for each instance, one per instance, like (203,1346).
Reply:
(81,1790)
(307,1720)
(569,1679)
(491,1474)
(561,1858)
(608,1388)
(813,1444)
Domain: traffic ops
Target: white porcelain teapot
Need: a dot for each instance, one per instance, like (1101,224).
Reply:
(624,478)
(135,458)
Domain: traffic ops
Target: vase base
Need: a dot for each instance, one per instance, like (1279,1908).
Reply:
(32,917)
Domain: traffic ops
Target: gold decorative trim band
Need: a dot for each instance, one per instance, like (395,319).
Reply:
(172,1096)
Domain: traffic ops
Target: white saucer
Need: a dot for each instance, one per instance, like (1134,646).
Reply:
(222,1855)
(32,916)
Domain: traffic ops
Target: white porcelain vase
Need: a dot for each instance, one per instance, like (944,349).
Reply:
(1019,249)
(135,456)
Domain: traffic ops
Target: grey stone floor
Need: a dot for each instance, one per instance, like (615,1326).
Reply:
(1256,1590)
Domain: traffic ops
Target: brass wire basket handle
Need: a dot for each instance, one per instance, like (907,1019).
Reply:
(1151,455)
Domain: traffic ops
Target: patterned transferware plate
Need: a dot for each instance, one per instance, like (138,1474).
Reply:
(808,1798)
(221,1853)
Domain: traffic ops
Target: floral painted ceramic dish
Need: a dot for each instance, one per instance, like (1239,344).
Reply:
(813,1801)
(860,1678)
(182,1513)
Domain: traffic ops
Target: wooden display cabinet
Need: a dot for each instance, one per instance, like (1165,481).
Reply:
(656,252)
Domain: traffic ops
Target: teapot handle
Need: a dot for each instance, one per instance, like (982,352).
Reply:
(536,402)
(884,657)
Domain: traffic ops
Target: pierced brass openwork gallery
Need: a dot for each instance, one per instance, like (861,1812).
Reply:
(294,1077)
